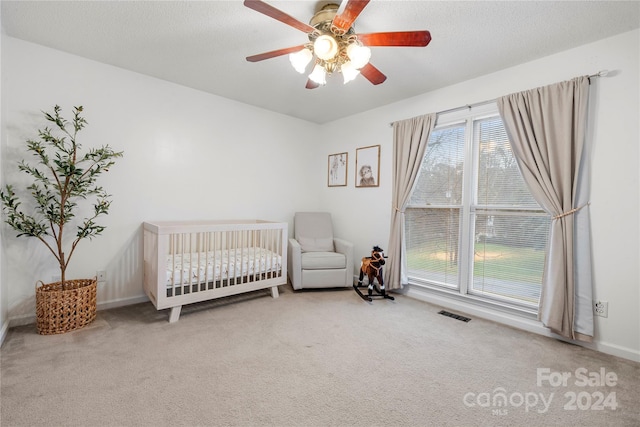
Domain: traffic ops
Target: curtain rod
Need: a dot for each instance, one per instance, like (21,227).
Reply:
(601,73)
(450,110)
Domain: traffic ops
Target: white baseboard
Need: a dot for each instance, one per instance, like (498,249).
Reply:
(21,320)
(614,350)
(122,302)
(28,319)
(515,321)
(3,332)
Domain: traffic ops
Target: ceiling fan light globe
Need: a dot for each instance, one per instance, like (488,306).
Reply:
(325,47)
(359,55)
(349,72)
(300,60)
(318,75)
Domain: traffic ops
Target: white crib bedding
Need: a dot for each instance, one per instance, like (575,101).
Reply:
(194,268)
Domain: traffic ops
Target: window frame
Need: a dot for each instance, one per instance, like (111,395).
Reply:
(468,211)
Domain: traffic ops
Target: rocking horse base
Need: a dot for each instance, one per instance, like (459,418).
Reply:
(371,294)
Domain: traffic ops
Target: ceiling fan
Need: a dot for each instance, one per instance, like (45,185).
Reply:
(333,43)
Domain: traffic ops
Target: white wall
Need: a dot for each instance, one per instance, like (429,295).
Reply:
(177,140)
(364,213)
(187,155)
(4,302)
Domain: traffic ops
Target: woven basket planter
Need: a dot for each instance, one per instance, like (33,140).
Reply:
(62,310)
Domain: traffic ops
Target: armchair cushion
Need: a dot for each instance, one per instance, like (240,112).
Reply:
(316,244)
(323,260)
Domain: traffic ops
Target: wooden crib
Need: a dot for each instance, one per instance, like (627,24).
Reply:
(193,261)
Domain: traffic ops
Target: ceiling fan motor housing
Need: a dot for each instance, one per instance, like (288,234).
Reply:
(325,14)
(322,21)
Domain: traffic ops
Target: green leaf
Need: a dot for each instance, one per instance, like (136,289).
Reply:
(62,177)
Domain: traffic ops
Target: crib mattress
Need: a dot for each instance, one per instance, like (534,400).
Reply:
(204,267)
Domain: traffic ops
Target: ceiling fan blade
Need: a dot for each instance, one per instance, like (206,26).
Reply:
(274,53)
(372,74)
(351,11)
(272,12)
(311,84)
(398,38)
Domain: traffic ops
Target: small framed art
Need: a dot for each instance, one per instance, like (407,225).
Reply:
(337,173)
(368,166)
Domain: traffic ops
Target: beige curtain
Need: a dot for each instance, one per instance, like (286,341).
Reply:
(547,128)
(409,143)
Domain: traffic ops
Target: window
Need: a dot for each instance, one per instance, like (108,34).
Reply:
(471,225)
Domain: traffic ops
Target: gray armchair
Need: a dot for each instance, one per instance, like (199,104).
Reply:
(316,258)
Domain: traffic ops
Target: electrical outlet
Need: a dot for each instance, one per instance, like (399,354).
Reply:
(601,308)
(102,276)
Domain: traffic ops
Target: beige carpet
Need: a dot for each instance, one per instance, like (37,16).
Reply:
(311,358)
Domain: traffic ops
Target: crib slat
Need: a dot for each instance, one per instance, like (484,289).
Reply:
(205,248)
(237,271)
(228,257)
(256,256)
(243,242)
(174,250)
(215,260)
(270,260)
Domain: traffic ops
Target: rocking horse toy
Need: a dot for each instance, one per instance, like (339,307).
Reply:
(372,267)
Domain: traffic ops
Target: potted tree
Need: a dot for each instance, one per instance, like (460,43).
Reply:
(62,178)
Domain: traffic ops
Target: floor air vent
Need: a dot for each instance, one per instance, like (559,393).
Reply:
(454,316)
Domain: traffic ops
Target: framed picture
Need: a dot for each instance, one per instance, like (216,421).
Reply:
(337,173)
(368,166)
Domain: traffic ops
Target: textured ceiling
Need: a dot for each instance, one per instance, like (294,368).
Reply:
(203,44)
